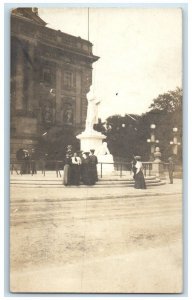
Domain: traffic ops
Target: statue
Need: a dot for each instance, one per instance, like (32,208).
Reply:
(92,139)
(68,114)
(92,111)
(103,150)
(47,114)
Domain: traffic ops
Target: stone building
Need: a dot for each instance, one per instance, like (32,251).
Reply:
(51,73)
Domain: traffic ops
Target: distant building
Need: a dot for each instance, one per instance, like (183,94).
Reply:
(51,72)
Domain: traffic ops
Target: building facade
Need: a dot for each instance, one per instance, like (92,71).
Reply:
(51,73)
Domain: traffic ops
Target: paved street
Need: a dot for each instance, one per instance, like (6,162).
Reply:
(66,240)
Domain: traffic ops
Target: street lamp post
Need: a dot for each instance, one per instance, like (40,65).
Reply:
(152,141)
(174,143)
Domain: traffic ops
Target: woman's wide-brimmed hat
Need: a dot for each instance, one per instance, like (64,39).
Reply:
(137,157)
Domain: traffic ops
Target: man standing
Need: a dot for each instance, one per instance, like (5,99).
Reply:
(93,166)
(33,162)
(26,162)
(171,169)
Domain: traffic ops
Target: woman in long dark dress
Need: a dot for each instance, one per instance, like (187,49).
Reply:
(86,173)
(67,170)
(75,169)
(93,167)
(133,163)
(139,177)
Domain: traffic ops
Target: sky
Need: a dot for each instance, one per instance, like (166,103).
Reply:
(140,52)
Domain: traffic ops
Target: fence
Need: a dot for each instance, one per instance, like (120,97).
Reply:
(120,168)
(32,166)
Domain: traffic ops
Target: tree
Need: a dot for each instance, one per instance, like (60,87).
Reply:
(167,112)
(127,135)
(121,135)
(169,102)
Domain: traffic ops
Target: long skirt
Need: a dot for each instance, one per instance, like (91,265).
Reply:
(93,177)
(86,175)
(67,175)
(140,181)
(75,174)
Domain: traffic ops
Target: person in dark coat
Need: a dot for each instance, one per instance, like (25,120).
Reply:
(20,155)
(43,162)
(33,162)
(139,177)
(57,164)
(171,169)
(75,169)
(134,169)
(93,166)
(86,169)
(67,170)
(26,162)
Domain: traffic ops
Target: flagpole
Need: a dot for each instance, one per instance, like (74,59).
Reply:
(88,23)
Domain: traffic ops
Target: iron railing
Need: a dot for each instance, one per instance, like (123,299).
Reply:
(120,168)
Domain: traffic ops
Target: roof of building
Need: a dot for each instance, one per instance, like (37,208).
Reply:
(29,13)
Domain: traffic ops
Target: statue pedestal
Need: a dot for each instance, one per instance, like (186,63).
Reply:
(157,165)
(93,140)
(158,169)
(90,140)
(105,164)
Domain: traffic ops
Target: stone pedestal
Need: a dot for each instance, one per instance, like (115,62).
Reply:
(157,165)
(158,170)
(90,140)
(105,164)
(93,140)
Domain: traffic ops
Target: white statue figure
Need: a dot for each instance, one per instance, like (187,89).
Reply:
(103,150)
(92,111)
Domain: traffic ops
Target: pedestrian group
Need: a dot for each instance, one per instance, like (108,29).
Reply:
(80,167)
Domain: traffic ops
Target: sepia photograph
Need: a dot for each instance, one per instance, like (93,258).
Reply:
(96,150)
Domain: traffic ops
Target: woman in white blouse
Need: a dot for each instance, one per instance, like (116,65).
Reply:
(139,177)
(75,169)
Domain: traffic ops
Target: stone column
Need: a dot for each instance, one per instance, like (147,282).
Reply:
(19,80)
(78,99)
(157,165)
(59,107)
(30,75)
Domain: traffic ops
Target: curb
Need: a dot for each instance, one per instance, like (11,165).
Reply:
(107,197)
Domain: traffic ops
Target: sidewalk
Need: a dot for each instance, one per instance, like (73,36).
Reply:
(21,188)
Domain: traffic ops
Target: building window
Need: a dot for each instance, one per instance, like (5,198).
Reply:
(47,76)
(68,79)
(68,114)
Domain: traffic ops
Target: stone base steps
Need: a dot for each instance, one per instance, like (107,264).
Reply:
(34,181)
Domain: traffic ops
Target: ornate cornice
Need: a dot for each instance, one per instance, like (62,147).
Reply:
(29,15)
(60,43)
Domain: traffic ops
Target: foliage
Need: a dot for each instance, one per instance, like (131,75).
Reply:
(169,102)
(121,134)
(127,135)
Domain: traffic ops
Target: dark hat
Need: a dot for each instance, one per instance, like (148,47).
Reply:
(86,152)
(92,150)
